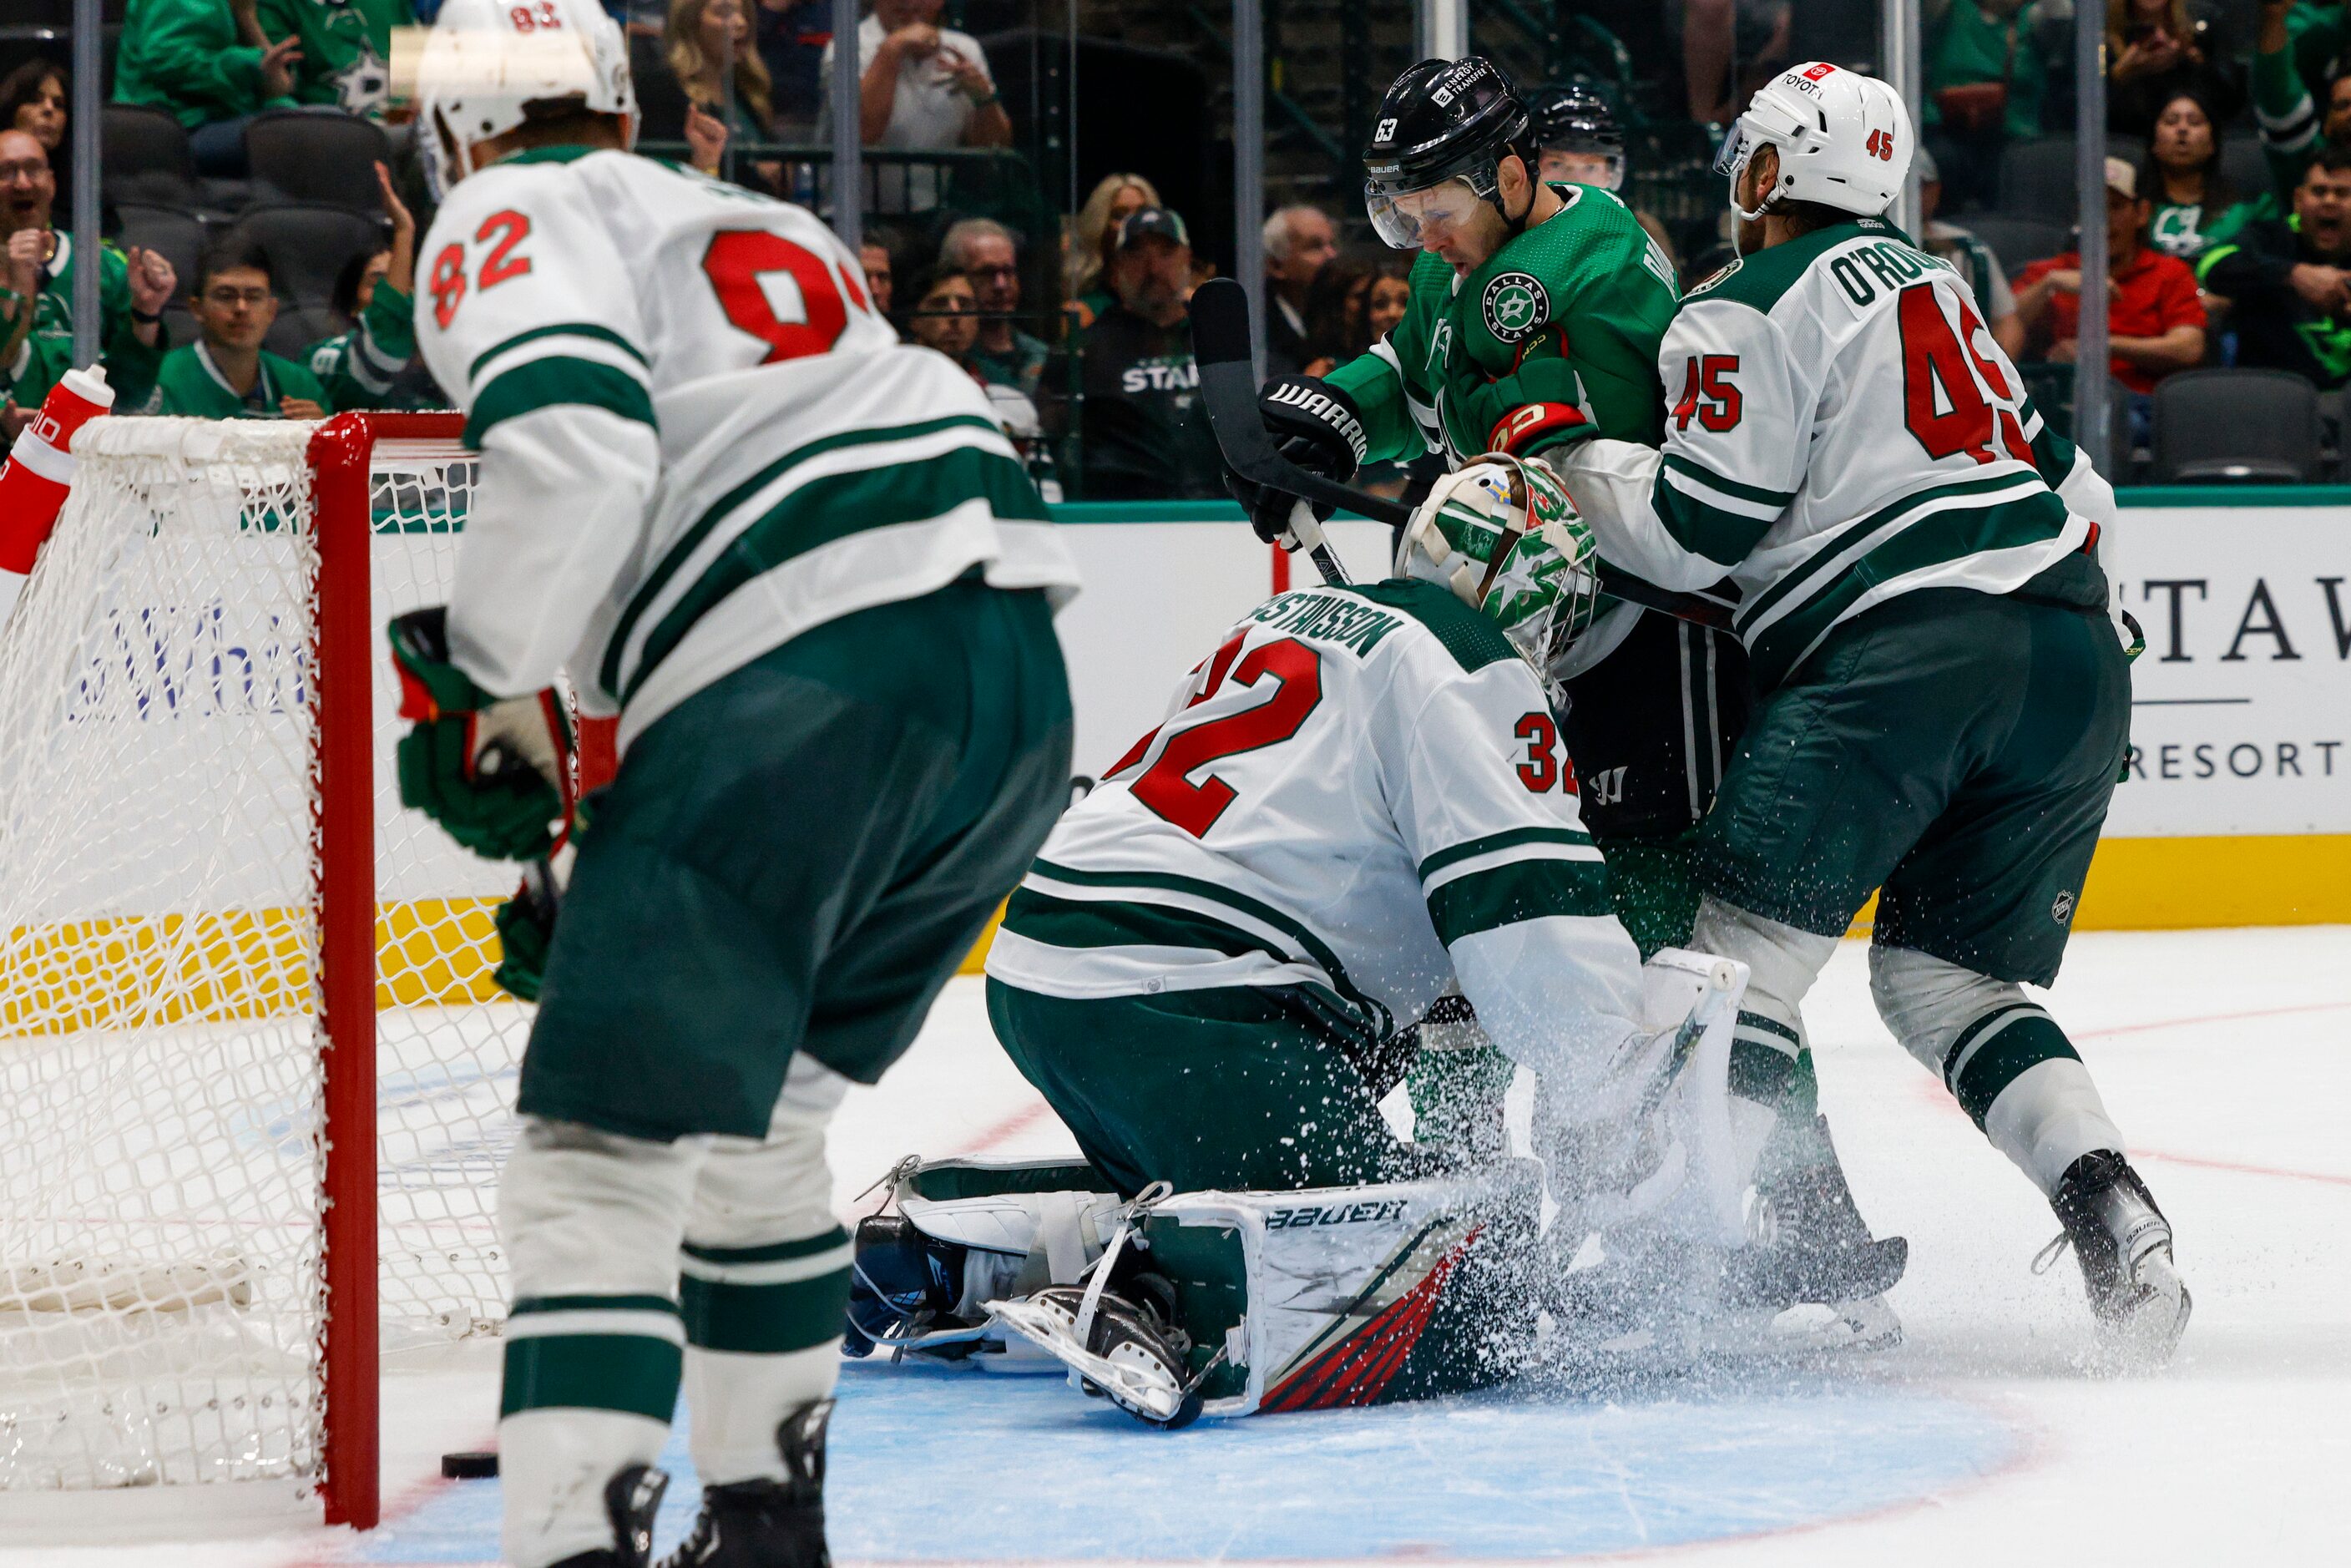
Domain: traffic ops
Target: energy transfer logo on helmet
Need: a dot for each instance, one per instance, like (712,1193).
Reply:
(1503,535)
(486,67)
(1442,120)
(1843,140)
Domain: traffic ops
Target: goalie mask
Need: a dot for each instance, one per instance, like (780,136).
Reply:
(1503,535)
(487,67)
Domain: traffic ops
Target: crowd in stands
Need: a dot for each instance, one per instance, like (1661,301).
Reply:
(228,292)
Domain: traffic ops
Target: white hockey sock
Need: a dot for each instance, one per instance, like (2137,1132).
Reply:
(737,1401)
(592,1222)
(2049,1116)
(553,1468)
(765,1290)
(1768,1044)
(2002,1057)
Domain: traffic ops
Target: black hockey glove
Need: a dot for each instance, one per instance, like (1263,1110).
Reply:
(1315,425)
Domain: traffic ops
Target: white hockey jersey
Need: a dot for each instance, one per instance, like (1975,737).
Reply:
(1840,429)
(698,437)
(1361,791)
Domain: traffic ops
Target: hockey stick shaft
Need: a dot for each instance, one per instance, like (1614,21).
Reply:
(1228,390)
(1307,529)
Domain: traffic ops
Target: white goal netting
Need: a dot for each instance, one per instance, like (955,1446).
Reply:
(161,1106)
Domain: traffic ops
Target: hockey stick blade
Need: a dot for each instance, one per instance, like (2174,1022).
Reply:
(1220,348)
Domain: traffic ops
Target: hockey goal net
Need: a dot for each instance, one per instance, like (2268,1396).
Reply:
(255,1080)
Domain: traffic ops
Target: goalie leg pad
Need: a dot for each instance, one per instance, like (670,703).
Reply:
(968,1232)
(1341,1296)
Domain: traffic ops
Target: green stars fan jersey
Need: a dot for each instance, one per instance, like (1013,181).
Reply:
(1840,429)
(1553,338)
(699,439)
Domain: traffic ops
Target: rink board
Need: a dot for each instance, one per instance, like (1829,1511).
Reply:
(2237,809)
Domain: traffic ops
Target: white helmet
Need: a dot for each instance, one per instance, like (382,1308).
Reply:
(489,65)
(1845,140)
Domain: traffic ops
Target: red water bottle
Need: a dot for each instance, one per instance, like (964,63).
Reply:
(38,474)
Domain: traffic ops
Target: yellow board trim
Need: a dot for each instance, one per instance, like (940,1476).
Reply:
(976,961)
(2178,884)
(133,971)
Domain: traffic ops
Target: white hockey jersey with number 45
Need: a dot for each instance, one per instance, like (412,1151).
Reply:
(1361,792)
(698,438)
(1840,429)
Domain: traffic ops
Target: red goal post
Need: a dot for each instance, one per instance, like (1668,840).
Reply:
(260,1082)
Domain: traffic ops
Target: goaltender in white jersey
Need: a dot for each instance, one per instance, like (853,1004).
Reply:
(1357,802)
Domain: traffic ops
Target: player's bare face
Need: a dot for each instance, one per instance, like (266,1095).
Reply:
(1455,223)
(1560,167)
(1762,166)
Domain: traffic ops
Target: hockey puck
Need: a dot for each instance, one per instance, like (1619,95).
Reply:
(469,1467)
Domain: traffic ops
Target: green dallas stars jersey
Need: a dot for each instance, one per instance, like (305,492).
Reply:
(345,47)
(1556,334)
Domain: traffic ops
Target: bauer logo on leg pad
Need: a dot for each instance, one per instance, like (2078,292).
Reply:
(1337,1214)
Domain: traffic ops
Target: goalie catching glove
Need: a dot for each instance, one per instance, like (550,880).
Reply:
(495,771)
(1314,424)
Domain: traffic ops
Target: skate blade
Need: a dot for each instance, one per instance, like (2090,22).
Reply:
(2145,1338)
(1141,1389)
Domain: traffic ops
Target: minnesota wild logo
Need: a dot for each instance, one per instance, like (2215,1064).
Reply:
(1515,306)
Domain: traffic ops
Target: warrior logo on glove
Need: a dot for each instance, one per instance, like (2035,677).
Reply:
(1504,536)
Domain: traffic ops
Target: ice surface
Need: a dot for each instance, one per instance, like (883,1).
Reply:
(2222,1056)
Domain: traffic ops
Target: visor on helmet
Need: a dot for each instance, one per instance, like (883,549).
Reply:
(1737,145)
(1403,217)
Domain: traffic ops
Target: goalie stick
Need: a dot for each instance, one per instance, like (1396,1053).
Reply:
(1228,389)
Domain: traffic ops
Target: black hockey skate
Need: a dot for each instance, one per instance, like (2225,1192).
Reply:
(1811,1244)
(2123,1245)
(631,1500)
(1131,1353)
(764,1523)
(904,1290)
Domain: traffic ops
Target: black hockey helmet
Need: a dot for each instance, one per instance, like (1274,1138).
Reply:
(1572,118)
(1442,120)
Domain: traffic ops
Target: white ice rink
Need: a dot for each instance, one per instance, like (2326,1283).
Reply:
(1981,1440)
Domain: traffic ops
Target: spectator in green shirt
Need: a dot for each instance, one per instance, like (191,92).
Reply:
(206,62)
(226,373)
(2294,124)
(2194,207)
(1985,77)
(345,48)
(36,342)
(369,366)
